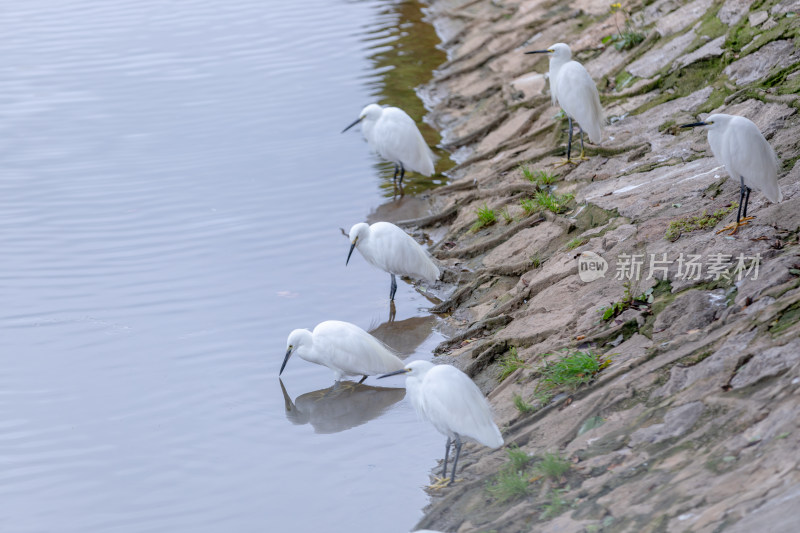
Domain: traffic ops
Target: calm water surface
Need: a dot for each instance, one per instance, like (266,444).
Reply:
(171,188)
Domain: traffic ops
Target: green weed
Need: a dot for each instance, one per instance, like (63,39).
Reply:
(571,371)
(628,301)
(627,38)
(577,241)
(509,485)
(506,216)
(553,466)
(486,217)
(522,406)
(555,507)
(510,363)
(693,223)
(552,202)
(517,458)
(528,205)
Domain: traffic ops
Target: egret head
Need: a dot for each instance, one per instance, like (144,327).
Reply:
(413,369)
(357,232)
(711,122)
(371,113)
(559,51)
(297,338)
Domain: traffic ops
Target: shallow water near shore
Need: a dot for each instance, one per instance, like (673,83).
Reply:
(172,189)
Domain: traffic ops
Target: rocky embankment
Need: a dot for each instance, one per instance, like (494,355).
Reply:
(690,420)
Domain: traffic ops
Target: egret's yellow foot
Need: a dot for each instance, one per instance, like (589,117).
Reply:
(734,227)
(439,483)
(583,157)
(564,162)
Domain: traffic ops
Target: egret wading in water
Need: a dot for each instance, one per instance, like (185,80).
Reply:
(343,347)
(739,145)
(447,398)
(395,137)
(574,90)
(391,249)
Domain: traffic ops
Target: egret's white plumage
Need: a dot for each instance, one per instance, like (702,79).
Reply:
(448,399)
(395,137)
(739,145)
(344,348)
(391,249)
(573,89)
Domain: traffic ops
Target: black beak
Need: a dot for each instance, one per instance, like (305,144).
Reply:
(538,52)
(694,124)
(285,360)
(396,372)
(352,247)
(353,124)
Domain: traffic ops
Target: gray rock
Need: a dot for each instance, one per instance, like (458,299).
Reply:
(676,422)
(654,60)
(767,363)
(710,49)
(758,64)
(757,18)
(733,10)
(691,310)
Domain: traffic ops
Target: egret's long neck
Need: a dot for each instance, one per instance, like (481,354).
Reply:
(555,67)
(305,347)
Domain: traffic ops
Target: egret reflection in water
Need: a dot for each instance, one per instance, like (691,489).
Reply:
(340,407)
(405,336)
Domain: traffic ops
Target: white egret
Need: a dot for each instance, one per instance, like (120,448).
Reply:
(391,249)
(447,398)
(575,91)
(345,348)
(739,145)
(394,135)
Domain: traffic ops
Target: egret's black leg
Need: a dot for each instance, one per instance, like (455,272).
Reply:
(455,461)
(396,170)
(402,174)
(746,200)
(393,289)
(741,201)
(569,141)
(363,379)
(446,455)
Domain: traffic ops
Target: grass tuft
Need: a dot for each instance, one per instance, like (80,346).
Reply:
(510,363)
(517,458)
(571,371)
(555,507)
(577,241)
(693,223)
(553,466)
(486,217)
(552,202)
(528,205)
(522,406)
(506,216)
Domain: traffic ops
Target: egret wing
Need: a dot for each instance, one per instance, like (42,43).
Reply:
(745,152)
(454,404)
(397,252)
(354,351)
(577,95)
(397,138)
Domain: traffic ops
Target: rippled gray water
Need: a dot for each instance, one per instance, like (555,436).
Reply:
(171,188)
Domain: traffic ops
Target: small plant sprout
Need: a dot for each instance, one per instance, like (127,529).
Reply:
(539,177)
(552,466)
(556,506)
(627,38)
(628,300)
(510,363)
(506,215)
(577,241)
(571,371)
(517,458)
(528,205)
(693,223)
(486,217)
(554,203)
(522,406)
(536,260)
(527,173)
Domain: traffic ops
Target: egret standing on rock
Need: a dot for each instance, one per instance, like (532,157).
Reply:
(345,348)
(391,249)
(575,91)
(739,145)
(447,398)
(394,135)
